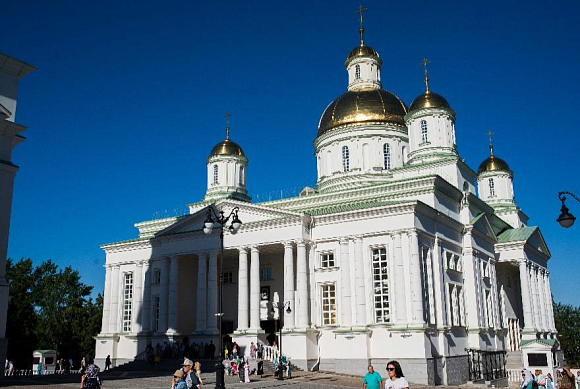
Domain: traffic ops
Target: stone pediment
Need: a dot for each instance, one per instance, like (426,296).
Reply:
(248,213)
(528,235)
(481,223)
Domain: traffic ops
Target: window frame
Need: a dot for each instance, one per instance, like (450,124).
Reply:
(332,319)
(345,159)
(128,292)
(424,132)
(491,184)
(357,72)
(379,255)
(387,155)
(326,263)
(216,174)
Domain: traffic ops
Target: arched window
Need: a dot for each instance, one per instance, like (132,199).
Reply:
(424,137)
(491,187)
(345,159)
(357,72)
(387,155)
(241,175)
(215,174)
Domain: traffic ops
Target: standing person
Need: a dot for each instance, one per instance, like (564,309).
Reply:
(178,382)
(91,380)
(107,363)
(373,379)
(567,381)
(578,378)
(540,379)
(253,350)
(549,381)
(527,379)
(191,380)
(211,349)
(241,370)
(246,370)
(197,369)
(396,378)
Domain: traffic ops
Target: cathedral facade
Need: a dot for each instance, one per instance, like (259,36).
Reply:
(401,251)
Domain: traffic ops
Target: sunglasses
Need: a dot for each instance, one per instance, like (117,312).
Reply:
(390,368)
(176,377)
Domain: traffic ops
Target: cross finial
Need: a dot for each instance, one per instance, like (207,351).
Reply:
(361,30)
(228,114)
(489,134)
(424,63)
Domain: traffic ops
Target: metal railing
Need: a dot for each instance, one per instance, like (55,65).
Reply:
(486,365)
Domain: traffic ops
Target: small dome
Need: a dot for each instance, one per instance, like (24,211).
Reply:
(225,148)
(429,100)
(363,51)
(363,106)
(494,164)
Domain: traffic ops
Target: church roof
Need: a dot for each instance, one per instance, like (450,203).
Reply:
(494,164)
(363,106)
(516,234)
(429,100)
(545,342)
(226,147)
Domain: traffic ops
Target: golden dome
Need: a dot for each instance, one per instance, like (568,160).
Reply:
(227,147)
(429,100)
(363,106)
(494,164)
(363,51)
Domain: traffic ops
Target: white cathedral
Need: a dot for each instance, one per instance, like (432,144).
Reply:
(392,255)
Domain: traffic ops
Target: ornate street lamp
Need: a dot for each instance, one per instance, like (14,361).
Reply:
(566,219)
(280,308)
(220,219)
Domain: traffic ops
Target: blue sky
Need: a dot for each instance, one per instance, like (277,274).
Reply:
(129,98)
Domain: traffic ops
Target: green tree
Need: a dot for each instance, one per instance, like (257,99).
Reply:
(567,319)
(61,315)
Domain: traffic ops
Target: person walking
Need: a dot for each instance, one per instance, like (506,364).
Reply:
(567,381)
(396,378)
(191,380)
(178,382)
(246,370)
(107,363)
(197,369)
(372,379)
(91,380)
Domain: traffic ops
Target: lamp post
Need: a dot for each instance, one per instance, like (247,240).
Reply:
(221,220)
(566,219)
(280,308)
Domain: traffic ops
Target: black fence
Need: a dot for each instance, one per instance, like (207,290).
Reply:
(486,365)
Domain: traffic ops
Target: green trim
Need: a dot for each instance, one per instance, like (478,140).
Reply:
(521,234)
(545,342)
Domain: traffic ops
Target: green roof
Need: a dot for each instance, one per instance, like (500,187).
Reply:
(546,342)
(516,234)
(348,206)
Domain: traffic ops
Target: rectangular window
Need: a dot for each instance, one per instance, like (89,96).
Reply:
(265,274)
(327,260)
(127,302)
(228,277)
(329,304)
(156,308)
(157,276)
(381,285)
(537,360)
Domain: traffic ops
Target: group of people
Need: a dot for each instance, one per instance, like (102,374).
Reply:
(8,368)
(188,377)
(179,350)
(396,380)
(537,380)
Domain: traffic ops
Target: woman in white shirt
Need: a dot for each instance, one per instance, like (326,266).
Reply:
(396,378)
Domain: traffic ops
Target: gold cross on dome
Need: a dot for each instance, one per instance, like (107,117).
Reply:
(228,114)
(360,10)
(489,134)
(424,63)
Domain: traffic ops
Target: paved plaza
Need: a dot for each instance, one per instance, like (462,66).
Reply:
(157,379)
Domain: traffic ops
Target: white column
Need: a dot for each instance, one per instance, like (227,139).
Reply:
(212,292)
(138,299)
(532,283)
(107,300)
(541,299)
(243,305)
(416,281)
(146,316)
(345,289)
(401,308)
(201,318)
(439,285)
(289,318)
(496,300)
(173,302)
(550,312)
(471,285)
(164,295)
(113,323)
(303,320)
(312,285)
(526,301)
(359,283)
(255,289)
